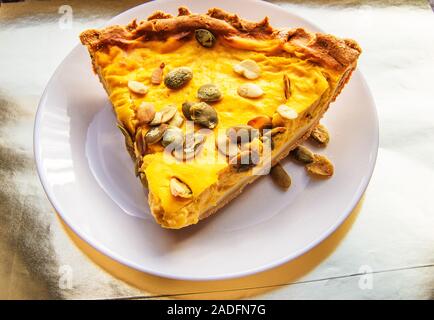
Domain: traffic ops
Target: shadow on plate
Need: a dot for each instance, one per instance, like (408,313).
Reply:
(244,287)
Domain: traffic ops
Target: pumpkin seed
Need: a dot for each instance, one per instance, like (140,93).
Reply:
(193,145)
(287,112)
(268,141)
(177,120)
(145,112)
(143,179)
(286,86)
(157,119)
(168,112)
(273,132)
(267,137)
(250,90)
(137,166)
(280,176)
(186,109)
(261,122)
(226,146)
(128,141)
(243,161)
(320,135)
(205,38)
(321,167)
(157,74)
(164,115)
(174,136)
(137,87)
(140,142)
(126,134)
(209,93)
(178,77)
(302,154)
(255,146)
(248,68)
(203,114)
(277,130)
(179,153)
(242,133)
(155,134)
(179,189)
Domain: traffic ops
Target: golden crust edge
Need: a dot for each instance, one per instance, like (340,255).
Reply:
(323,49)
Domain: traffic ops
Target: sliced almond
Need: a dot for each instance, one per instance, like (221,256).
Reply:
(179,189)
(250,90)
(168,113)
(163,115)
(177,120)
(137,87)
(157,74)
(157,119)
(287,112)
(145,112)
(248,68)
(286,86)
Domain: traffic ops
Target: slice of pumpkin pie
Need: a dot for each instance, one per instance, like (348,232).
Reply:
(209,102)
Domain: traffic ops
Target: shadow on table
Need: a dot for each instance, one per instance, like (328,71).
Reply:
(157,287)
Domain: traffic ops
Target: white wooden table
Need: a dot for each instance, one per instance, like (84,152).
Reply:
(386,248)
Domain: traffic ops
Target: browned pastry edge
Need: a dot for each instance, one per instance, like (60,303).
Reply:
(323,49)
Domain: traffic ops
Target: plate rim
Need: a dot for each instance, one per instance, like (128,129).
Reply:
(113,255)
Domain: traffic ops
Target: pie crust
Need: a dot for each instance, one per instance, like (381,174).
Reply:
(334,58)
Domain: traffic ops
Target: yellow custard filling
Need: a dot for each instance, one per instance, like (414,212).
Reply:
(209,65)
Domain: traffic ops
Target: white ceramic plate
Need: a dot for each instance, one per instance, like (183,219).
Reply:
(89,179)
